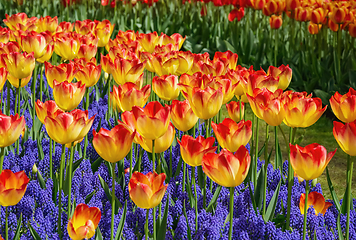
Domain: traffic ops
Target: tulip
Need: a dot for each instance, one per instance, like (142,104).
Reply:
(148,41)
(205,103)
(87,51)
(316,200)
(232,135)
(48,54)
(152,121)
(103,32)
(182,115)
(302,111)
(88,74)
(167,64)
(19,65)
(352,30)
(16,82)
(4,35)
(68,127)
(60,73)
(47,24)
(338,15)
(161,143)
(147,191)
(284,73)
(68,95)
(67,47)
(3,76)
(11,127)
(115,144)
(234,111)
(84,222)
(309,162)
(260,80)
(34,42)
(125,70)
(343,106)
(314,28)
(268,106)
(19,18)
(302,14)
(49,108)
(12,187)
(227,169)
(229,56)
(126,96)
(275,21)
(166,87)
(193,150)
(317,16)
(8,48)
(345,136)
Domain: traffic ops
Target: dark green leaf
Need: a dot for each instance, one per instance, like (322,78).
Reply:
(332,191)
(89,197)
(214,199)
(18,229)
(120,228)
(161,233)
(108,194)
(272,205)
(34,234)
(40,180)
(98,235)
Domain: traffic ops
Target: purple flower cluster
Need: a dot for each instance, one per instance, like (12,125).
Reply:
(39,207)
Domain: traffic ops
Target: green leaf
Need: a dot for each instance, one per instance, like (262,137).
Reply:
(189,235)
(161,233)
(339,229)
(252,198)
(214,199)
(108,194)
(332,191)
(40,180)
(34,234)
(189,190)
(120,228)
(272,205)
(95,165)
(258,194)
(18,229)
(98,235)
(89,197)
(179,166)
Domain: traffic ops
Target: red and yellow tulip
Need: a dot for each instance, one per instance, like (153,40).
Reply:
(60,73)
(11,127)
(125,96)
(344,106)
(68,95)
(49,108)
(12,187)
(166,87)
(182,115)
(345,136)
(316,200)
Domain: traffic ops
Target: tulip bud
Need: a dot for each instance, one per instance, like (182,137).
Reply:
(275,21)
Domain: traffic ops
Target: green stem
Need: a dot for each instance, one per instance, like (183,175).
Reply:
(252,151)
(196,198)
(231,211)
(256,149)
(146,224)
(1,101)
(240,110)
(207,133)
(50,159)
(18,94)
(131,153)
(170,161)
(112,201)
(7,224)
(292,132)
(153,156)
(275,46)
(2,155)
(184,169)
(70,179)
(154,223)
(276,163)
(265,177)
(86,108)
(305,208)
(34,80)
(350,166)
(41,82)
(8,86)
(61,170)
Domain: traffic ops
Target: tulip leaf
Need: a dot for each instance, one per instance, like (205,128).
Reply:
(189,235)
(161,233)
(95,165)
(18,229)
(259,188)
(332,191)
(189,190)
(34,234)
(76,164)
(120,228)
(278,157)
(55,187)
(89,197)
(339,229)
(272,205)
(39,148)
(214,199)
(252,198)
(179,166)
(201,176)
(108,194)
(165,168)
(41,180)
(98,235)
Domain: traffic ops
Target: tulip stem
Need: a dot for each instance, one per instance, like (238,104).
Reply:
(153,156)
(240,110)
(2,96)
(8,86)
(146,224)
(207,134)
(292,132)
(276,163)
(112,201)
(305,208)
(34,82)
(184,169)
(19,96)
(196,197)
(350,166)
(61,170)
(265,177)
(86,108)
(131,153)
(232,190)
(41,82)
(275,46)
(70,179)
(2,155)
(50,158)
(154,222)
(7,224)
(256,150)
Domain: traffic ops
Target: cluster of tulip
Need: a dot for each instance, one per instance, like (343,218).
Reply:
(206,84)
